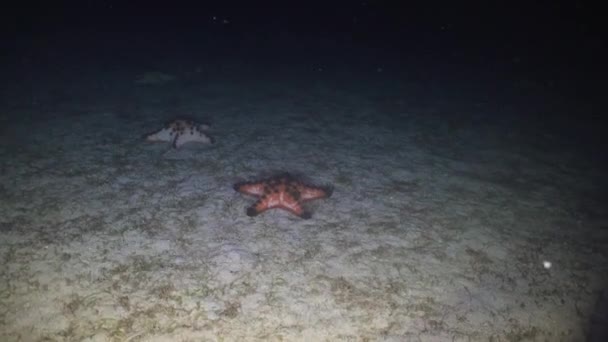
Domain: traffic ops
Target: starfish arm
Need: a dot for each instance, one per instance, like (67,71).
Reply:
(259,207)
(150,136)
(253,189)
(308,193)
(193,136)
(278,200)
(159,135)
(291,204)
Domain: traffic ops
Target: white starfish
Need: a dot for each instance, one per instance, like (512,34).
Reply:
(181,131)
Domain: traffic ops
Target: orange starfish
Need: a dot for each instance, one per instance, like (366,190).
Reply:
(282,191)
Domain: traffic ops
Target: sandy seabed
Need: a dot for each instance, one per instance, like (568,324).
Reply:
(437,230)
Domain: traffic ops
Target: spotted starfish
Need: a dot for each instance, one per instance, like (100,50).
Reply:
(282,191)
(181,131)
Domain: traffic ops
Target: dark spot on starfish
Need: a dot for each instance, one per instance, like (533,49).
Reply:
(295,194)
